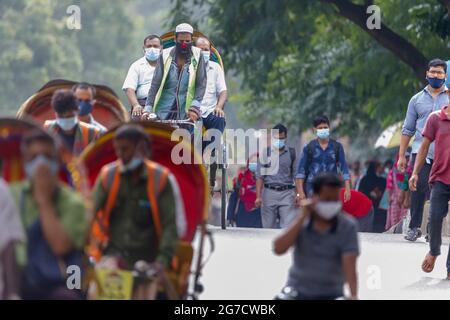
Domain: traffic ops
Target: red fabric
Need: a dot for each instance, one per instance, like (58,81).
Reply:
(437,130)
(359,204)
(247,192)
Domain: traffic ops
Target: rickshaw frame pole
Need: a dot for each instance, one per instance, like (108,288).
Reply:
(198,288)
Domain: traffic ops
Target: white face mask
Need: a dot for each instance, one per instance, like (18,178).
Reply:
(133,164)
(67,124)
(328,209)
(31,166)
(206,55)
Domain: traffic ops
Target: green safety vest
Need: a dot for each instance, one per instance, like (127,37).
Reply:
(167,59)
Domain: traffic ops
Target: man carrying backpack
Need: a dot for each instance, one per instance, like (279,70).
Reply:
(275,191)
(321,155)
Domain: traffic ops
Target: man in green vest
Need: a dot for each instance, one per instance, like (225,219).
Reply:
(179,82)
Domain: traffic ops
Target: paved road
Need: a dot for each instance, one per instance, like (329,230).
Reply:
(243,267)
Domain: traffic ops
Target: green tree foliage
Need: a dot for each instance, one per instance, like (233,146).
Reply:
(37,46)
(33,50)
(300,58)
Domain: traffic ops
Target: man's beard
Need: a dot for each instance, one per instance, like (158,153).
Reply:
(183,49)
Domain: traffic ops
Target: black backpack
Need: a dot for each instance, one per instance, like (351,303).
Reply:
(310,154)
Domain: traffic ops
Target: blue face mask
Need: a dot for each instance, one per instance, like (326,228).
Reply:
(152,54)
(206,56)
(252,166)
(278,143)
(85,108)
(435,83)
(323,133)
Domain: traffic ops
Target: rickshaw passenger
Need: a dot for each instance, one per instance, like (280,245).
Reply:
(214,99)
(75,134)
(85,93)
(55,221)
(179,82)
(135,200)
(139,77)
(216,92)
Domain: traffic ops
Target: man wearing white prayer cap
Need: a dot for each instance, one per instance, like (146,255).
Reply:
(179,82)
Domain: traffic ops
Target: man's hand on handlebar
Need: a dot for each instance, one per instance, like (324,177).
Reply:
(193,116)
(137,111)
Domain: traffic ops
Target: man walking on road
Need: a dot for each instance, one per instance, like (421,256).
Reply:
(326,245)
(437,130)
(275,193)
(319,156)
(421,105)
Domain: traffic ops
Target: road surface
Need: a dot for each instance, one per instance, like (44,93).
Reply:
(243,267)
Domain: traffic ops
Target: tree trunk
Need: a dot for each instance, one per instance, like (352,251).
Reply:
(392,41)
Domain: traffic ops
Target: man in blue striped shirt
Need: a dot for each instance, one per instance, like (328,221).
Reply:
(431,98)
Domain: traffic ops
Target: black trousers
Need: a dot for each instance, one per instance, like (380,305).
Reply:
(419,196)
(440,195)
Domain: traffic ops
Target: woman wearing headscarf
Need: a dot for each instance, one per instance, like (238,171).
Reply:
(397,186)
(373,186)
(243,212)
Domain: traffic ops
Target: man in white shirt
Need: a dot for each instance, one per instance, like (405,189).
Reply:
(216,90)
(140,75)
(215,97)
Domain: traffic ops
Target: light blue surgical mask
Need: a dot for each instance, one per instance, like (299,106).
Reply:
(67,124)
(323,133)
(152,54)
(278,143)
(252,166)
(206,56)
(31,166)
(132,165)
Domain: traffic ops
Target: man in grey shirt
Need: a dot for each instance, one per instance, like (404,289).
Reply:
(275,190)
(325,244)
(421,105)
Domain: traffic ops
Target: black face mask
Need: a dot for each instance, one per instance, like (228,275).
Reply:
(183,48)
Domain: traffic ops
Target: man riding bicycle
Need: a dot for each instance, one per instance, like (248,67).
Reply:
(179,82)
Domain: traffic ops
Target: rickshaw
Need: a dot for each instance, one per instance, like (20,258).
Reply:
(168,41)
(11,134)
(108,110)
(193,185)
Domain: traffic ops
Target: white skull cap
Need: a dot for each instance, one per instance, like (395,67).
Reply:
(184,27)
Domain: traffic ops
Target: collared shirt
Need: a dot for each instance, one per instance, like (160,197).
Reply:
(139,78)
(437,130)
(97,124)
(322,161)
(69,207)
(215,84)
(131,227)
(172,101)
(317,257)
(420,107)
(284,175)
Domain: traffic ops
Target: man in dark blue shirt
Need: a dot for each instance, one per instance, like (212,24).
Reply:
(319,156)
